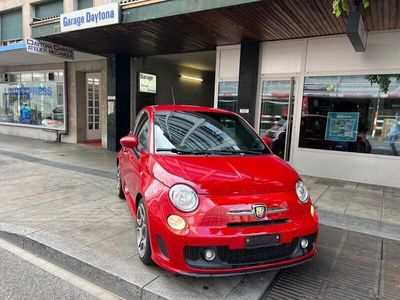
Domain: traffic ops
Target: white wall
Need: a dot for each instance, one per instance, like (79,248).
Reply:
(227,66)
(332,55)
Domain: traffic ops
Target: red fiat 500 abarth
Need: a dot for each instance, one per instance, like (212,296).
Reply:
(209,196)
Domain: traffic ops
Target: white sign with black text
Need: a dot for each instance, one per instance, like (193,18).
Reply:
(47,48)
(147,83)
(91,17)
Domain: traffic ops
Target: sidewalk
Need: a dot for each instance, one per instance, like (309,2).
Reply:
(67,191)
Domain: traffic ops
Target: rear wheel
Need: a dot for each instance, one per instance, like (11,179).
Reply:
(142,234)
(120,191)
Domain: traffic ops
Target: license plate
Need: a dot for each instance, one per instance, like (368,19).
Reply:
(263,240)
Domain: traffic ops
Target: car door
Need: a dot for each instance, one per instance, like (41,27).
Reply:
(137,157)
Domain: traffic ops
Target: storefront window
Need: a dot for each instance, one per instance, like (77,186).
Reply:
(352,114)
(228,95)
(32,99)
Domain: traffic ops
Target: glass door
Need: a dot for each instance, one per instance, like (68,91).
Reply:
(276,114)
(93,106)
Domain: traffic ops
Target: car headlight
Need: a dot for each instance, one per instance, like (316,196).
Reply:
(183,197)
(301,191)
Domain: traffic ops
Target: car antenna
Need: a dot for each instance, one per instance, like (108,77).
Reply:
(173,96)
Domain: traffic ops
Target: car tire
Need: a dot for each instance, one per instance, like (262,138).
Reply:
(120,191)
(143,234)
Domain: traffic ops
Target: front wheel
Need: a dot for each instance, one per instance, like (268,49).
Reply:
(120,191)
(143,235)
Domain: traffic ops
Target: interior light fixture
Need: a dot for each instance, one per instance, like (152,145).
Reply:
(192,78)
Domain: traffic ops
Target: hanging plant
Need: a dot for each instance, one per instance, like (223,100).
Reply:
(340,6)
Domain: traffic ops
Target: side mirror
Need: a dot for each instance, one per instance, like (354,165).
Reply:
(267,141)
(129,141)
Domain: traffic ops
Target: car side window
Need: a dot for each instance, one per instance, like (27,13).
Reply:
(142,131)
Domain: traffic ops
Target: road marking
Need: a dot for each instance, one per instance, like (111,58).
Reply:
(61,273)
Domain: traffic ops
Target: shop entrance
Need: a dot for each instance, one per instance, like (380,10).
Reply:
(93,131)
(276,114)
(180,78)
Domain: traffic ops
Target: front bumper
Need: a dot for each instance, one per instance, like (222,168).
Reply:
(182,252)
(230,259)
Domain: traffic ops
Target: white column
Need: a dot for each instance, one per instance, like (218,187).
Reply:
(28,12)
(70,5)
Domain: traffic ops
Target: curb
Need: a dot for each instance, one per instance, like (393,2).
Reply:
(109,273)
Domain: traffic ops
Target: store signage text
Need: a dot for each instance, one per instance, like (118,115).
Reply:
(34,91)
(47,48)
(90,17)
(147,83)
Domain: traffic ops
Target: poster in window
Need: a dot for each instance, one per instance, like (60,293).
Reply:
(342,126)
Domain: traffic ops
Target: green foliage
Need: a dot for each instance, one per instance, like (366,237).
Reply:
(340,6)
(383,80)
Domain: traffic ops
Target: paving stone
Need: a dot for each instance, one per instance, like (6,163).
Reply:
(186,287)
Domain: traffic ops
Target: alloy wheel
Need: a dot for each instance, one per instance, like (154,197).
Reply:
(141,231)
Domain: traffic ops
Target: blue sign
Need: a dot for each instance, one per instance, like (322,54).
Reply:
(34,91)
(342,126)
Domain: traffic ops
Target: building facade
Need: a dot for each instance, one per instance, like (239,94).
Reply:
(42,96)
(327,96)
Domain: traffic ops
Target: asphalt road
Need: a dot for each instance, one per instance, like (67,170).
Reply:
(19,279)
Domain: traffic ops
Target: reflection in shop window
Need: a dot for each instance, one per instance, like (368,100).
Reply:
(349,113)
(274,105)
(33,99)
(228,95)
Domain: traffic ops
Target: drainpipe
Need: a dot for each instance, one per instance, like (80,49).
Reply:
(66,107)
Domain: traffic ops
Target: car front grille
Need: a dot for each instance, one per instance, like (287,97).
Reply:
(246,256)
(235,258)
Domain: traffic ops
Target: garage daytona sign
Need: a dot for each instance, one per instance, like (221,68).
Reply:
(90,17)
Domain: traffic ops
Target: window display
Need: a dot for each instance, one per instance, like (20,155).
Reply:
(33,99)
(351,113)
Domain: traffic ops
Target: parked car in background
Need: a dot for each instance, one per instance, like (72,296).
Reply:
(209,197)
(312,135)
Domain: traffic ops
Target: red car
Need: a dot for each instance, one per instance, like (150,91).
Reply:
(209,197)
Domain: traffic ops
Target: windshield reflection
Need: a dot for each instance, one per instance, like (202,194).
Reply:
(204,133)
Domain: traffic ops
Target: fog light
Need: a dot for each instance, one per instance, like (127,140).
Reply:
(176,222)
(312,210)
(304,243)
(209,254)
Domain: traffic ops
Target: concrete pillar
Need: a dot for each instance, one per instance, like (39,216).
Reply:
(101,2)
(70,5)
(248,79)
(118,99)
(28,12)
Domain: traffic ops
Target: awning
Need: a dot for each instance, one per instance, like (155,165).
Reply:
(192,25)
(14,55)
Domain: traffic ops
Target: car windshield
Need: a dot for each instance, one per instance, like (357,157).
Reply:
(205,133)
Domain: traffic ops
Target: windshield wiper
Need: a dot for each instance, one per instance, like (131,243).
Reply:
(178,151)
(209,152)
(226,151)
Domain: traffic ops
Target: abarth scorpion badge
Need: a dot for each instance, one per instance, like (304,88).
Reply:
(259,211)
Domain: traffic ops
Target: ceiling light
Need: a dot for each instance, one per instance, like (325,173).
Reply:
(192,78)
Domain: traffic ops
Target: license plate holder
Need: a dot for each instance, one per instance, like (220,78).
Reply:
(263,240)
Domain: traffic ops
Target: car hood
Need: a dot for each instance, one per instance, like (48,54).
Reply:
(225,174)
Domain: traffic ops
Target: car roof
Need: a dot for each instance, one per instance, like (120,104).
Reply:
(158,108)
